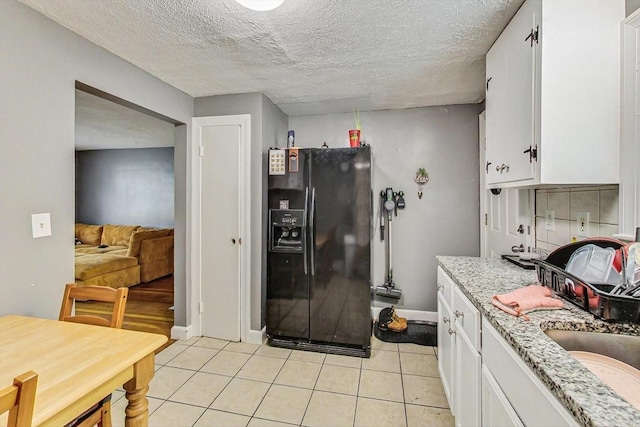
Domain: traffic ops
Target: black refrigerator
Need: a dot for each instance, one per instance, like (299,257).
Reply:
(319,249)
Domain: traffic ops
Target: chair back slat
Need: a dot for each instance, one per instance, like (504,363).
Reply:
(89,320)
(8,398)
(73,292)
(19,399)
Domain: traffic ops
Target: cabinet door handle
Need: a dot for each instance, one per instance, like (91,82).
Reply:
(502,168)
(451,331)
(459,313)
(445,320)
(487,167)
(488,80)
(439,286)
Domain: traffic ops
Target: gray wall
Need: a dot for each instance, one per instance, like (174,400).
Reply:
(182,133)
(132,186)
(275,125)
(267,122)
(444,140)
(39,64)
(631,6)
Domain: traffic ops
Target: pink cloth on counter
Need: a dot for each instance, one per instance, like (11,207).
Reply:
(524,300)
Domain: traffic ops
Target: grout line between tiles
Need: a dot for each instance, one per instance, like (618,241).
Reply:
(404,398)
(314,389)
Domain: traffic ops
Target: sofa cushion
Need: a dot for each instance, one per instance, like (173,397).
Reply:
(139,236)
(92,265)
(89,234)
(117,235)
(93,249)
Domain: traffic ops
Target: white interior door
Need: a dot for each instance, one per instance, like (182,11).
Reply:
(220,231)
(507,224)
(502,214)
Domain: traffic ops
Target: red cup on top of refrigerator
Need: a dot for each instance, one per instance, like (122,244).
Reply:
(354,138)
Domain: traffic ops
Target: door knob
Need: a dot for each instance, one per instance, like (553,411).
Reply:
(233,241)
(517,249)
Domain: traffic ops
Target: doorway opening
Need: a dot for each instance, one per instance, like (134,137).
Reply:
(124,205)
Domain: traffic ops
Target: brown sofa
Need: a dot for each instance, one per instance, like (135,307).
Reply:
(132,255)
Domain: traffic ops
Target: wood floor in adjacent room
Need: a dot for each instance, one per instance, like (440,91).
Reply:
(149,308)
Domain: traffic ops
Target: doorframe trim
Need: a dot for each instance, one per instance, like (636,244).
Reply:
(194,220)
(482,149)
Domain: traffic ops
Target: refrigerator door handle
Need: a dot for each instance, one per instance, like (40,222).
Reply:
(304,231)
(312,231)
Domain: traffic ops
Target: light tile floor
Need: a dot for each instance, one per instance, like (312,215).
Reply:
(208,382)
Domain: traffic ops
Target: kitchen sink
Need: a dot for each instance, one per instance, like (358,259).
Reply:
(625,348)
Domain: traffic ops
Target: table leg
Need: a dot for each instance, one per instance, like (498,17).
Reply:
(137,412)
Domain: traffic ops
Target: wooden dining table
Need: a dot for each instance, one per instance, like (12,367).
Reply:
(78,365)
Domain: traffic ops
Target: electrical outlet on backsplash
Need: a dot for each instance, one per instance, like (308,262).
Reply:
(579,213)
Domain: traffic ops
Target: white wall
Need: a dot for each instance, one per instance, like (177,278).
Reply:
(444,140)
(39,64)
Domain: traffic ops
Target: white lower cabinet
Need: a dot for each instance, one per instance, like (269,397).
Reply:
(446,342)
(468,363)
(496,409)
(459,359)
(485,380)
(528,397)
(467,360)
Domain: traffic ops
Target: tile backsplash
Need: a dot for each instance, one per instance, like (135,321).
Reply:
(600,202)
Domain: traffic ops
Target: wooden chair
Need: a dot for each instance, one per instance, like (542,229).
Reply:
(19,399)
(99,413)
(94,293)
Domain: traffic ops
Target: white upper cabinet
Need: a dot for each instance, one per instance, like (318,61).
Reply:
(630,138)
(553,95)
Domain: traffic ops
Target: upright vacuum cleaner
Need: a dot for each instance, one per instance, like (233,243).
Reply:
(390,202)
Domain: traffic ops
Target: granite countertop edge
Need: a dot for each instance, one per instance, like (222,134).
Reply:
(585,396)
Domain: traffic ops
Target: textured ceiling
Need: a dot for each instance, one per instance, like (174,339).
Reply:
(102,124)
(307,56)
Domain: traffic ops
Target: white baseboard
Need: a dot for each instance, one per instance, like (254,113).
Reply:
(430,316)
(257,337)
(186,332)
(182,332)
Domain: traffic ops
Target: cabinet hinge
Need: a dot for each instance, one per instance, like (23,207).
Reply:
(485,220)
(533,35)
(201,153)
(533,153)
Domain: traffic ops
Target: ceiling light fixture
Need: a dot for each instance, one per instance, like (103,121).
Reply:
(260,5)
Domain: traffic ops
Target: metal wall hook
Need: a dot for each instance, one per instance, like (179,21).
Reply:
(421,178)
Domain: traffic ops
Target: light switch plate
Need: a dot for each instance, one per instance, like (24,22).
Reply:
(550,222)
(41,225)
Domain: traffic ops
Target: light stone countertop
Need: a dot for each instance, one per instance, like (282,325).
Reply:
(590,400)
